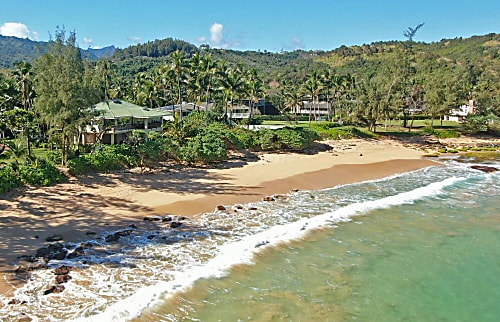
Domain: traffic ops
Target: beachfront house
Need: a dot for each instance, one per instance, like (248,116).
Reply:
(115,119)
(460,113)
(241,111)
(320,110)
(185,109)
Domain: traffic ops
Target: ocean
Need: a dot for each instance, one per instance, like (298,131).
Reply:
(417,246)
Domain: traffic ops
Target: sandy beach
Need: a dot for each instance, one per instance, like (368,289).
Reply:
(93,204)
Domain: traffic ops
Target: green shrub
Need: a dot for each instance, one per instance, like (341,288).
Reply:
(247,138)
(224,133)
(295,138)
(205,148)
(443,134)
(78,166)
(8,179)
(54,157)
(149,153)
(339,133)
(268,140)
(197,121)
(477,123)
(40,173)
(104,161)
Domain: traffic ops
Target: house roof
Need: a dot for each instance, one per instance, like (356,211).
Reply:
(114,109)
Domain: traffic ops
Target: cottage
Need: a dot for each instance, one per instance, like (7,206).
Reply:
(459,114)
(116,119)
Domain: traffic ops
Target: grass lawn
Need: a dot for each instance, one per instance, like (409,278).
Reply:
(394,127)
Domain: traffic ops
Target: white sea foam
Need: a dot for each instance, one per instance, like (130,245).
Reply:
(243,249)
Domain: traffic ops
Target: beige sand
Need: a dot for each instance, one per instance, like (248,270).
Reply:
(104,202)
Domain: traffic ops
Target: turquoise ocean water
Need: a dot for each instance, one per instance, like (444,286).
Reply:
(418,246)
(422,246)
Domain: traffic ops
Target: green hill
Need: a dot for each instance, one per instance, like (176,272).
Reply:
(13,50)
(482,52)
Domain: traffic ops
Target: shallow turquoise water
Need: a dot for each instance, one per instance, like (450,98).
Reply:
(434,258)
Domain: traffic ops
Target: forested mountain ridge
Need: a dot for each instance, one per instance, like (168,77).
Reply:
(483,52)
(13,50)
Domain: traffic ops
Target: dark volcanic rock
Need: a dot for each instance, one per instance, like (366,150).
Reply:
(60,279)
(53,251)
(54,238)
(54,289)
(114,237)
(152,218)
(63,270)
(30,265)
(262,243)
(484,168)
(78,252)
(175,224)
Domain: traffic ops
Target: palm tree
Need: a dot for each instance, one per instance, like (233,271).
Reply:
(178,65)
(195,79)
(232,83)
(145,90)
(208,67)
(17,153)
(254,89)
(24,82)
(312,87)
(293,99)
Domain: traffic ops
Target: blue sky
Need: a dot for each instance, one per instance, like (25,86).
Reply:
(270,25)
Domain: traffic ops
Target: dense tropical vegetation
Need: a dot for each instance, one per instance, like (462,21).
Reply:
(44,102)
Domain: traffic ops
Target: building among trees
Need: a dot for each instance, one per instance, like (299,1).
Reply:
(115,119)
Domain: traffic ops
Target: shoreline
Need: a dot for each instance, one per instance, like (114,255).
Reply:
(113,201)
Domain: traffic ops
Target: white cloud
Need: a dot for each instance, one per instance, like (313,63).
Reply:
(135,39)
(298,43)
(15,29)
(88,41)
(216,34)
(219,39)
(294,44)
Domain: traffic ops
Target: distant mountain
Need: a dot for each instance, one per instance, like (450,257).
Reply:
(103,52)
(13,50)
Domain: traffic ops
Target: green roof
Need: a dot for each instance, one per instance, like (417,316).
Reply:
(115,109)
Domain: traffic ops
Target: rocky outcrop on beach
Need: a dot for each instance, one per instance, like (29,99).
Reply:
(57,251)
(54,289)
(484,168)
(53,251)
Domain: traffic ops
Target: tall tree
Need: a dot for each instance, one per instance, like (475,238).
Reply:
(254,90)
(62,98)
(293,100)
(410,86)
(312,87)
(178,65)
(232,83)
(23,75)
